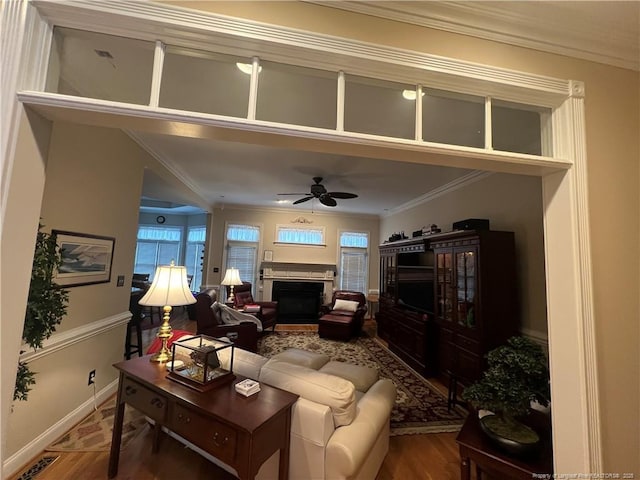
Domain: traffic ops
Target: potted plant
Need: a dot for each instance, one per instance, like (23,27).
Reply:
(46,306)
(517,375)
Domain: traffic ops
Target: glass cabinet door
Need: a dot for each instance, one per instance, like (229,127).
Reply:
(466,287)
(444,288)
(388,275)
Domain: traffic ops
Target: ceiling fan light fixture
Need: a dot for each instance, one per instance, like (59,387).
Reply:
(319,191)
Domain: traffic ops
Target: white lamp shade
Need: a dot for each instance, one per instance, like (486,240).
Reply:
(169,288)
(231,277)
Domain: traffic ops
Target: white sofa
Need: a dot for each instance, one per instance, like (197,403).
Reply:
(340,423)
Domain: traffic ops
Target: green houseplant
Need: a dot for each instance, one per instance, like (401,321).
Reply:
(517,374)
(46,306)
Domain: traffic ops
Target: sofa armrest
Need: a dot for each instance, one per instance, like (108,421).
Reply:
(350,444)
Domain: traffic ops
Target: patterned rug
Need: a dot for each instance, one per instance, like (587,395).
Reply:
(93,434)
(419,407)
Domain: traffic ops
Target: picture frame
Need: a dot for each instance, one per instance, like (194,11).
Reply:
(268,255)
(86,258)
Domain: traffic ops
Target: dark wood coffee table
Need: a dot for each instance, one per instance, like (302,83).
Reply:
(476,447)
(240,431)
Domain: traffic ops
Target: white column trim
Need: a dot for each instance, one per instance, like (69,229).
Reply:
(156,76)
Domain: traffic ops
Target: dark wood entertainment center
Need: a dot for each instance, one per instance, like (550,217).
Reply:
(446,299)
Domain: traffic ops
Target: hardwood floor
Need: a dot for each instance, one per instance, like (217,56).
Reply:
(411,457)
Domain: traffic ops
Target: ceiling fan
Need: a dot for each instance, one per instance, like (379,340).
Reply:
(320,192)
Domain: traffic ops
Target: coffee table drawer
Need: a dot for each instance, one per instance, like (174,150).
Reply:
(144,399)
(215,437)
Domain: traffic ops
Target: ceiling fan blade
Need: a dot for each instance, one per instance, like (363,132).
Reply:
(302,200)
(343,195)
(325,199)
(297,194)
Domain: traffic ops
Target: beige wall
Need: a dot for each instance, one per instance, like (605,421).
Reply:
(613,150)
(268,219)
(510,202)
(93,185)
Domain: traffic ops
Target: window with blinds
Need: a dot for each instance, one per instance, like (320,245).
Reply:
(354,249)
(243,242)
(156,246)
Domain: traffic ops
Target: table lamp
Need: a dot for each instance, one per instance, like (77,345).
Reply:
(231,278)
(168,289)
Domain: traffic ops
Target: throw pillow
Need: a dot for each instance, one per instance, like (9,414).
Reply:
(346,305)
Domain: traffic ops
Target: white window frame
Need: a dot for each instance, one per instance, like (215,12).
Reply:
(319,228)
(231,243)
(367,257)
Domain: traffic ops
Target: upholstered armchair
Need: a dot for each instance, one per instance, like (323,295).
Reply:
(342,319)
(268,313)
(208,321)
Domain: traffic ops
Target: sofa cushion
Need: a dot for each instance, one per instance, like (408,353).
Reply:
(361,377)
(304,358)
(335,392)
(345,305)
(244,362)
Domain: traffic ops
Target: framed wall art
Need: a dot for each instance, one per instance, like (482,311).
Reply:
(86,259)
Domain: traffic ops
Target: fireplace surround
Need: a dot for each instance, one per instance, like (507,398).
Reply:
(298,301)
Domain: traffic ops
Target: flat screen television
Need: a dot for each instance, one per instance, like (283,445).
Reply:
(416,295)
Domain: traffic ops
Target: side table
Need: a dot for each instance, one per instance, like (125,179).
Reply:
(240,431)
(476,447)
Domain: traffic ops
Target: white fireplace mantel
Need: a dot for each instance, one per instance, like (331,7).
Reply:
(285,271)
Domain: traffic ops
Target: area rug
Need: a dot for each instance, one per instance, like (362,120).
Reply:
(93,434)
(419,407)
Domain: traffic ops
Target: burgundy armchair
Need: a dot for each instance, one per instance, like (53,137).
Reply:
(342,321)
(268,313)
(208,321)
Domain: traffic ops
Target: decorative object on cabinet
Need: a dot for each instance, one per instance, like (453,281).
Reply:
(168,289)
(517,375)
(86,259)
(472,224)
(196,362)
(231,279)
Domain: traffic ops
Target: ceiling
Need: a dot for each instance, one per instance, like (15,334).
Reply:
(226,173)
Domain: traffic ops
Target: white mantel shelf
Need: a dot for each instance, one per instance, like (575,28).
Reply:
(298,271)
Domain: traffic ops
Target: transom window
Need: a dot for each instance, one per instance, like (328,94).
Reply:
(218,83)
(300,235)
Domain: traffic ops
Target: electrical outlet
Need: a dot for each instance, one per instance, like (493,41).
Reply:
(92,377)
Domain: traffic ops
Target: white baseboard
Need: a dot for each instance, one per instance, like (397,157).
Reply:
(27,453)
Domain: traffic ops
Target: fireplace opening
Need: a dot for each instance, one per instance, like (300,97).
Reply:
(298,302)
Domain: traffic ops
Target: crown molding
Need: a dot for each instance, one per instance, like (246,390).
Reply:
(445,189)
(492,21)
